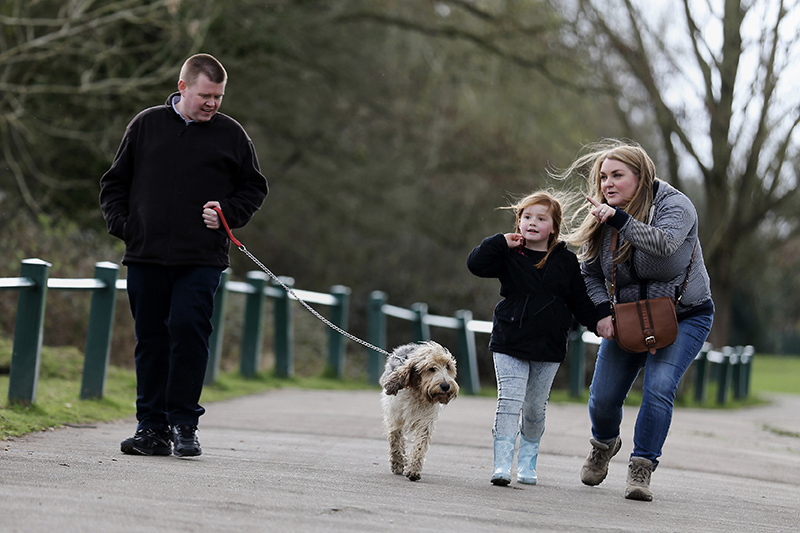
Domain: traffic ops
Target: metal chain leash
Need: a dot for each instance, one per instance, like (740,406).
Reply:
(290,291)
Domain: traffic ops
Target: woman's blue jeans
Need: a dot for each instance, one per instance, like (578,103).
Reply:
(523,388)
(615,372)
(172,309)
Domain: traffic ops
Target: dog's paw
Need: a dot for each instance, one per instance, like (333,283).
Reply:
(413,476)
(397,468)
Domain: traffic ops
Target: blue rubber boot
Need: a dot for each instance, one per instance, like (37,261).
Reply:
(526,460)
(503,458)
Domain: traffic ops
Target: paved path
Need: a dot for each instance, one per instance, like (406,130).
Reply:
(293,460)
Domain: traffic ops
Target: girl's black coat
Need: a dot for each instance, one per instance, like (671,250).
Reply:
(533,320)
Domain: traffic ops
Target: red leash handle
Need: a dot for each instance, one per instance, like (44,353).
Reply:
(233,239)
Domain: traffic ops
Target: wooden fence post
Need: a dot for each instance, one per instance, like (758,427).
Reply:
(701,374)
(252,326)
(466,356)
(284,358)
(98,335)
(218,325)
(747,367)
(422,331)
(724,376)
(26,354)
(577,363)
(336,341)
(376,319)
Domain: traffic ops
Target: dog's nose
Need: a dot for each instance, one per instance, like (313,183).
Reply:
(445,387)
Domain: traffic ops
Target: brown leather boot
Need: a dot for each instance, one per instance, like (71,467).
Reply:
(639,471)
(595,468)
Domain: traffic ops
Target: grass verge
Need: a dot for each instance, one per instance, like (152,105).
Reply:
(58,400)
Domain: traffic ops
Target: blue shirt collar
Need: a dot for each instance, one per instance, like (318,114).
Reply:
(175,100)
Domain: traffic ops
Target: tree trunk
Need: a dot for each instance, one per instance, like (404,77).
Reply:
(720,332)
(719,270)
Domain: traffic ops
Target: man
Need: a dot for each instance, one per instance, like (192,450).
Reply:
(176,162)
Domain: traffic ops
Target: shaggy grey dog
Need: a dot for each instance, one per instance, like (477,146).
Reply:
(419,379)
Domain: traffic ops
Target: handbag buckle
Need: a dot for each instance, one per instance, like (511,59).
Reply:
(650,340)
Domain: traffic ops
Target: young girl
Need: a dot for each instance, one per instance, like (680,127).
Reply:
(542,289)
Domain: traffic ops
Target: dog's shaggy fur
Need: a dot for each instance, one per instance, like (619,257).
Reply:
(418,380)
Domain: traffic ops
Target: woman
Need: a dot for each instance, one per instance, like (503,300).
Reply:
(657,231)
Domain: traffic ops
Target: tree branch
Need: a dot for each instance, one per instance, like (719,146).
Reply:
(487,43)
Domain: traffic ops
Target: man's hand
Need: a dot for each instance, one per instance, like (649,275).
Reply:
(210,217)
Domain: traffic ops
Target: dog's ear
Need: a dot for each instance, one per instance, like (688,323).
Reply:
(397,380)
(414,376)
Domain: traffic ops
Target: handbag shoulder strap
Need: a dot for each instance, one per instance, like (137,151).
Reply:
(614,245)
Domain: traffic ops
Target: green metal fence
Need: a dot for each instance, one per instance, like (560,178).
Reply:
(466,356)
(729,368)
(34,282)
(33,285)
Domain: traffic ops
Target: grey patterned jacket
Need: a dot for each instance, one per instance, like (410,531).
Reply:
(661,256)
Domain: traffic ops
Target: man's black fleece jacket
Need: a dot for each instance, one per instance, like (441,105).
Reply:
(164,171)
(533,320)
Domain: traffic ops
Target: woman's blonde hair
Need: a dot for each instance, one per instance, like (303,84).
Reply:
(554,202)
(589,235)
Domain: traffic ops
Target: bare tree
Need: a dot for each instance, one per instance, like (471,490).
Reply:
(69,71)
(718,82)
(522,32)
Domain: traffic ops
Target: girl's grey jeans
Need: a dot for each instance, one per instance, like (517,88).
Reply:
(523,388)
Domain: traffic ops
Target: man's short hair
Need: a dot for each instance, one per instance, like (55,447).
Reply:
(203,64)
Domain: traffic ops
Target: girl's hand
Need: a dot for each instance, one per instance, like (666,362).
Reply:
(514,240)
(605,328)
(602,212)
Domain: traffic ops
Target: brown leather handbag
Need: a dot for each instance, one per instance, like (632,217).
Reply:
(644,325)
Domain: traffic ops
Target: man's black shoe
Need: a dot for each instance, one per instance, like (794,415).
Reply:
(149,441)
(186,443)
